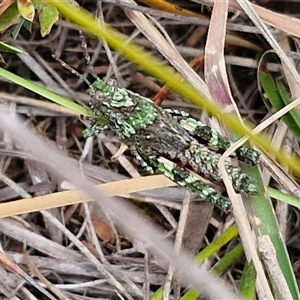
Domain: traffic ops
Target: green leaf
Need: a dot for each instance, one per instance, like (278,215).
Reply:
(26,9)
(8,48)
(27,25)
(48,15)
(18,27)
(9,17)
(278,96)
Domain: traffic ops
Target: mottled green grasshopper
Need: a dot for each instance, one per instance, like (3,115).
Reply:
(169,141)
(166,141)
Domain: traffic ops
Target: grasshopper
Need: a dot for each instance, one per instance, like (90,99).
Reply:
(169,142)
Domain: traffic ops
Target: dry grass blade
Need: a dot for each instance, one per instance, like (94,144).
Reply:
(86,252)
(268,251)
(216,78)
(177,244)
(239,209)
(166,47)
(285,23)
(215,70)
(48,284)
(249,10)
(74,197)
(8,264)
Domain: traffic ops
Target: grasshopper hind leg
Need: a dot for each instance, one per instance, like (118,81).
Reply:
(188,180)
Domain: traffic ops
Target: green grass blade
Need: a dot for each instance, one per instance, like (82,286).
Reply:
(229,259)
(217,244)
(286,98)
(278,195)
(45,93)
(274,91)
(247,284)
(262,208)
(225,263)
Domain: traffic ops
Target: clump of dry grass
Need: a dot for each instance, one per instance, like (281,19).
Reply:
(105,249)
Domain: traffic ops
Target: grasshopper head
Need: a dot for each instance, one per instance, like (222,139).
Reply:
(110,96)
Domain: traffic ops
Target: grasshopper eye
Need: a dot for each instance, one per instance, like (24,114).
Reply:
(99,96)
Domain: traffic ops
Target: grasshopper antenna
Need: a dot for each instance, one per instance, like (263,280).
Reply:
(87,59)
(87,56)
(71,70)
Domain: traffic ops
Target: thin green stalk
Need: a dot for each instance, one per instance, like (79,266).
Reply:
(45,93)
(216,244)
(247,284)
